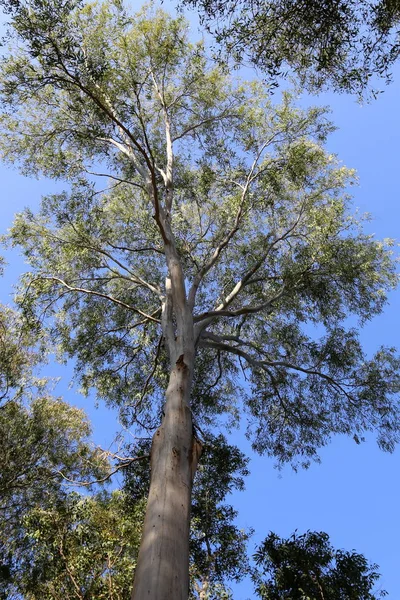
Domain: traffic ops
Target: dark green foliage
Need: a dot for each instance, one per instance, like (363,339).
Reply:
(300,427)
(307,567)
(328,43)
(44,448)
(218,546)
(19,353)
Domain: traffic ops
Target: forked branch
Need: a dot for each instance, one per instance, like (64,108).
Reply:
(213,341)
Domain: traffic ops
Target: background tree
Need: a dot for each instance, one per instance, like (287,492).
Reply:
(41,446)
(56,543)
(20,351)
(216,272)
(217,546)
(307,566)
(344,45)
(77,546)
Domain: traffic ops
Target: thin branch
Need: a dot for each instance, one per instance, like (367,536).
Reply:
(192,128)
(244,310)
(69,571)
(217,252)
(142,249)
(126,462)
(101,295)
(219,376)
(134,277)
(246,278)
(152,371)
(108,110)
(119,179)
(209,265)
(264,364)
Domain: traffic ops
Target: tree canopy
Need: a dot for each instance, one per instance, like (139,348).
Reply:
(19,353)
(260,220)
(345,45)
(43,447)
(77,546)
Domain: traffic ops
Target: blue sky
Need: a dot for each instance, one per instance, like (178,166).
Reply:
(354,493)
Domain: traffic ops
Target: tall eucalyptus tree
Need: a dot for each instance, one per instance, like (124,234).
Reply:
(213,276)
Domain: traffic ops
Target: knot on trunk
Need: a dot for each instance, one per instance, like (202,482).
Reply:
(180,363)
(196,452)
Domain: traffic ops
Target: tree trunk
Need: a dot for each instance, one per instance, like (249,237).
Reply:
(162,571)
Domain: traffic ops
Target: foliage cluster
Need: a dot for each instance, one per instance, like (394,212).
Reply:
(343,45)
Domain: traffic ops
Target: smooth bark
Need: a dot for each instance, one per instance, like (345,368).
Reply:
(162,572)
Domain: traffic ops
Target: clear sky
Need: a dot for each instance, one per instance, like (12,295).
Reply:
(354,493)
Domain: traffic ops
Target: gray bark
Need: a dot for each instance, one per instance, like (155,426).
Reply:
(162,571)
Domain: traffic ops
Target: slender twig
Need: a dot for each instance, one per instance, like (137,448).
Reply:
(126,462)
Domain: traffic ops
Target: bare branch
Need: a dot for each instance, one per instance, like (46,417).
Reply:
(192,128)
(244,310)
(115,178)
(142,249)
(219,376)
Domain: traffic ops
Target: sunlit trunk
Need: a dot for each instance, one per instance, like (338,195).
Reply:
(162,571)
